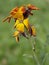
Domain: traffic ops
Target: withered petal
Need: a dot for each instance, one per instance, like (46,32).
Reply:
(25,35)
(7,19)
(33,32)
(17,39)
(16,33)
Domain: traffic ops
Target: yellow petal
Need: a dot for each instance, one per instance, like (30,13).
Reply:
(20,27)
(16,23)
(20,17)
(16,33)
(26,23)
(33,31)
(17,39)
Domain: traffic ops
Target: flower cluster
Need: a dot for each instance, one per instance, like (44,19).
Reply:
(20,16)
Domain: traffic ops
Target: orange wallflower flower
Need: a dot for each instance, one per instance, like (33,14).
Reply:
(20,15)
(21,12)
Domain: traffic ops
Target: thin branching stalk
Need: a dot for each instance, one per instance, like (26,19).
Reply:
(33,50)
(34,43)
(36,59)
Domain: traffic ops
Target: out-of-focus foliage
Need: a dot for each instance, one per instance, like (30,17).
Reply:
(12,53)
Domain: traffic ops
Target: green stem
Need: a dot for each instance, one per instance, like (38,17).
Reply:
(36,59)
(33,50)
(34,43)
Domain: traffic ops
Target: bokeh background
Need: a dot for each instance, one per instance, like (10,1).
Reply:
(13,53)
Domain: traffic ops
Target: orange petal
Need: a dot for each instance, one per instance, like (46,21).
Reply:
(23,9)
(13,13)
(14,10)
(32,7)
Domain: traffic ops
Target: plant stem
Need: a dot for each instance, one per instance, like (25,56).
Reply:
(34,43)
(36,59)
(33,50)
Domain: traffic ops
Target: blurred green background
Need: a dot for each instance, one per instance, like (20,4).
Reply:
(13,53)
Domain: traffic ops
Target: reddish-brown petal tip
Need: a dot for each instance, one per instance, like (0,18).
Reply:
(32,7)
